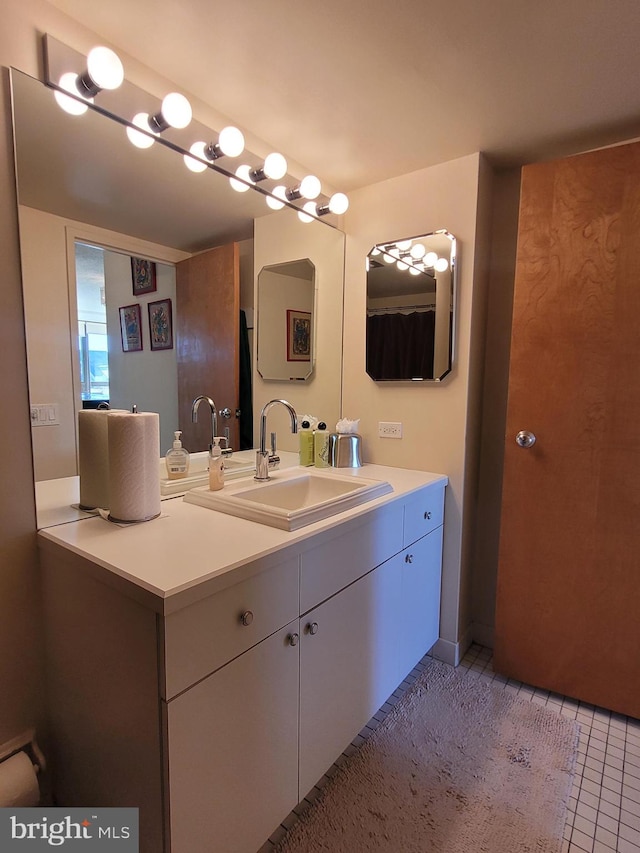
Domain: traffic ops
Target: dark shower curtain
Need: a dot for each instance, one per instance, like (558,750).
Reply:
(400,346)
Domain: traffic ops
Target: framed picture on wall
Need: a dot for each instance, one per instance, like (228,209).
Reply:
(298,335)
(161,324)
(143,276)
(131,328)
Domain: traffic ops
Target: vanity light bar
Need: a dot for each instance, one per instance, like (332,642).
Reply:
(104,71)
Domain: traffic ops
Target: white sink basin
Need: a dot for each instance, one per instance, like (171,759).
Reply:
(292,498)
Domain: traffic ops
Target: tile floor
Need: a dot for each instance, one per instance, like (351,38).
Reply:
(604,808)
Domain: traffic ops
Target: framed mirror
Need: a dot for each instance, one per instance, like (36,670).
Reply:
(90,186)
(285,321)
(411,289)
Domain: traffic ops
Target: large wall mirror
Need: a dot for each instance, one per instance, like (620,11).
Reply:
(88,203)
(411,286)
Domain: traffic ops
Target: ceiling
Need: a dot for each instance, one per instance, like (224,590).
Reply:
(364,90)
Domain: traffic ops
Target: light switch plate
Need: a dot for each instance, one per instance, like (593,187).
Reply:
(387,429)
(45,414)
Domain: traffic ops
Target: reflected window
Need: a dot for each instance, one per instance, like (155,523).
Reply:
(92,323)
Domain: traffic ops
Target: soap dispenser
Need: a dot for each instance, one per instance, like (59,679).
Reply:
(216,465)
(321,446)
(306,444)
(177,459)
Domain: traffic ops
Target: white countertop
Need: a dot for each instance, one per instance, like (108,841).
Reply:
(189,550)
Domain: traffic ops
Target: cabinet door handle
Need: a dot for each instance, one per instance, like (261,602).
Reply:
(427,516)
(408,558)
(312,627)
(246,618)
(292,639)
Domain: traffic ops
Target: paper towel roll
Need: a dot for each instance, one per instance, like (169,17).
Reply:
(134,470)
(18,782)
(93,457)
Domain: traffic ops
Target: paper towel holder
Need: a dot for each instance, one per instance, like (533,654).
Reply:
(26,742)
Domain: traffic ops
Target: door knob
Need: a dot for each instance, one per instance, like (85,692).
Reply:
(525,438)
(292,639)
(246,618)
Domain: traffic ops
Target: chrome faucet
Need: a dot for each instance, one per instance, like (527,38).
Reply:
(214,415)
(264,459)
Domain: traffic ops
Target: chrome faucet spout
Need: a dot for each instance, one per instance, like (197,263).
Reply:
(214,414)
(262,455)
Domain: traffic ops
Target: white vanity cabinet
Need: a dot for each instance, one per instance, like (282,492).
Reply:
(232,750)
(217,710)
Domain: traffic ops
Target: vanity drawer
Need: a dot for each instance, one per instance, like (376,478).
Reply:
(206,635)
(333,565)
(423,513)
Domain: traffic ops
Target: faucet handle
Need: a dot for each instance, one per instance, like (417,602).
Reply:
(274,439)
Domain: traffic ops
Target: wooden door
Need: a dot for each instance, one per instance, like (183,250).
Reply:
(208,342)
(568,600)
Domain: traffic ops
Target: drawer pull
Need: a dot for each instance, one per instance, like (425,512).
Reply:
(292,639)
(312,627)
(427,516)
(408,558)
(247,618)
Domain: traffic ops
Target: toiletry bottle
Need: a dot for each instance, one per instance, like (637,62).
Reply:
(216,465)
(321,446)
(177,459)
(306,444)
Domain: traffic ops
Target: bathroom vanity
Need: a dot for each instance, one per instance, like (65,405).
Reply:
(208,669)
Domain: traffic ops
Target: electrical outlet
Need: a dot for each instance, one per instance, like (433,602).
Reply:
(387,429)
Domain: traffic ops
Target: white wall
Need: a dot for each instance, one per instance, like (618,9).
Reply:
(278,238)
(438,423)
(148,378)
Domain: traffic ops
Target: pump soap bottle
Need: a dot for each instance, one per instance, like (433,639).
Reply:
(177,459)
(306,444)
(216,465)
(321,446)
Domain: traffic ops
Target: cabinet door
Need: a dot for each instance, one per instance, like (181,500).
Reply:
(233,751)
(348,667)
(420,599)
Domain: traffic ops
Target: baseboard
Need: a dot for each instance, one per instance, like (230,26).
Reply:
(483,634)
(452,653)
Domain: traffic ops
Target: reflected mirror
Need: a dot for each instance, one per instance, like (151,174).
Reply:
(90,187)
(285,321)
(411,287)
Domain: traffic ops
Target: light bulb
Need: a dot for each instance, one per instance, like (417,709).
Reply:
(73,106)
(310,187)
(375,251)
(430,258)
(414,270)
(404,245)
(275,166)
(418,251)
(105,68)
(196,161)
(176,110)
(140,140)
(280,193)
(246,182)
(441,265)
(367,263)
(338,203)
(388,259)
(307,214)
(231,141)
(402,265)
